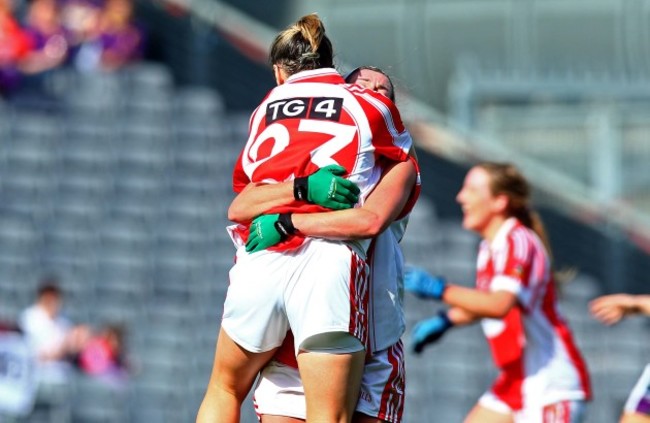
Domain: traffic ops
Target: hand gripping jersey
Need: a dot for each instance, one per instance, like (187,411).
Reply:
(315,120)
(532,345)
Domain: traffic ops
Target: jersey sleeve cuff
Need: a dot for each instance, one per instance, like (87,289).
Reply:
(505,283)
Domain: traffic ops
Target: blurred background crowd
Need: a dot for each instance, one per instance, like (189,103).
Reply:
(41,35)
(120,122)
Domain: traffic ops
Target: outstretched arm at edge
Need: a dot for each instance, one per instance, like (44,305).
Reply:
(610,309)
(478,303)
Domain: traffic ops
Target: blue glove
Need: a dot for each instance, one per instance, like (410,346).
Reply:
(430,330)
(424,285)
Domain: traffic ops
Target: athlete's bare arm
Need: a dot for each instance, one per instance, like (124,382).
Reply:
(461,317)
(610,309)
(381,208)
(257,198)
(478,303)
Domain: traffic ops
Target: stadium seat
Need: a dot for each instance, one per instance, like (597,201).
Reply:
(144,78)
(100,400)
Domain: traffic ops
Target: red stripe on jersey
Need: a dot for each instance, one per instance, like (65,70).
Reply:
(325,75)
(564,333)
(256,408)
(509,384)
(370,257)
(392,399)
(508,354)
(359,300)
(560,412)
(517,262)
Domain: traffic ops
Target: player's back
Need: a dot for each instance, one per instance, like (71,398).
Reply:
(315,120)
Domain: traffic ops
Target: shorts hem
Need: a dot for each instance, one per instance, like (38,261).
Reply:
(247,346)
(325,331)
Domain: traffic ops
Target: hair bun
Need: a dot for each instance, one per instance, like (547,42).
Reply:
(308,57)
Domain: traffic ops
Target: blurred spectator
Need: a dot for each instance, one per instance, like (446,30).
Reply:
(52,337)
(122,41)
(105,38)
(53,341)
(80,18)
(15,45)
(103,354)
(90,35)
(17,374)
(48,37)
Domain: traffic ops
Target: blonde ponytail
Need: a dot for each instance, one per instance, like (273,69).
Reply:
(302,46)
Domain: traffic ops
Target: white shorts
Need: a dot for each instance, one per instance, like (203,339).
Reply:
(318,288)
(279,390)
(570,411)
(639,400)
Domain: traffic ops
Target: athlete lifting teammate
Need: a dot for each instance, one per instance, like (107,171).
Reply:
(316,287)
(279,394)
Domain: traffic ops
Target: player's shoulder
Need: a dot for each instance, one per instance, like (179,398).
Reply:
(520,240)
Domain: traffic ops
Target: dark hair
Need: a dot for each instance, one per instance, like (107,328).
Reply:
(302,46)
(353,72)
(49,285)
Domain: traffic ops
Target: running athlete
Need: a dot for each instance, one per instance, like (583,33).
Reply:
(542,376)
(279,395)
(610,309)
(316,287)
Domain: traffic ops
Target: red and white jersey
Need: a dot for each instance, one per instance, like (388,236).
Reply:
(314,120)
(532,345)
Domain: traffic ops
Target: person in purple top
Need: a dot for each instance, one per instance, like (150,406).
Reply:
(48,37)
(121,39)
(112,41)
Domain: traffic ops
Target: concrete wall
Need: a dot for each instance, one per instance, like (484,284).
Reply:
(421,42)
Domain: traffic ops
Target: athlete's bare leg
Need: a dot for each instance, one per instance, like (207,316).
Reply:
(331,383)
(233,374)
(481,414)
(635,418)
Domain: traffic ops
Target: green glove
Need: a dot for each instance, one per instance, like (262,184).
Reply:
(267,230)
(327,188)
